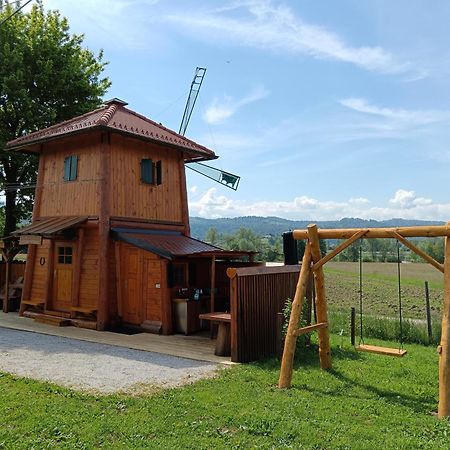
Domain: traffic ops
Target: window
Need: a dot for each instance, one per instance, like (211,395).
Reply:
(70,168)
(65,255)
(151,173)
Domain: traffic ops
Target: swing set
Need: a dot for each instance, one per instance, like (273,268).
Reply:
(313,261)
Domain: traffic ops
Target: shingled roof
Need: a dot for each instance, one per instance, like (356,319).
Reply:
(115,117)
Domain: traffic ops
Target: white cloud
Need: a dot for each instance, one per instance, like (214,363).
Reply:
(404,204)
(266,25)
(404,115)
(222,109)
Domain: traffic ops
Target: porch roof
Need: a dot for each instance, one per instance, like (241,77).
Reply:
(172,244)
(50,226)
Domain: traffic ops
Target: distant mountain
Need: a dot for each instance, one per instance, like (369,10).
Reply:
(276,226)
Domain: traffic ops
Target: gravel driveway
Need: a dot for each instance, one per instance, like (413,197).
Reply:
(94,367)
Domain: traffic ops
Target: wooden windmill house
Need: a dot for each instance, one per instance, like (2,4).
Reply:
(110,241)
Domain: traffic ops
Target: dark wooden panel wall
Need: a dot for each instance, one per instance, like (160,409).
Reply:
(258,294)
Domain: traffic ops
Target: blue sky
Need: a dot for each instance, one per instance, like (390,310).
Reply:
(326,109)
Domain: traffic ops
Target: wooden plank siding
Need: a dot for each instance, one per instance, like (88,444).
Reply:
(39,274)
(71,198)
(89,270)
(134,199)
(257,295)
(17,269)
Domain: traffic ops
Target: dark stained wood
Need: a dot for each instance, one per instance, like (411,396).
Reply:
(213,284)
(118,279)
(166,301)
(6,297)
(28,276)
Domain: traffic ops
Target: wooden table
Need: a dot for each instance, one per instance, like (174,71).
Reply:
(223,342)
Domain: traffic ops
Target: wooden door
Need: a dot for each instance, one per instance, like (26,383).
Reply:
(131,284)
(152,289)
(63,276)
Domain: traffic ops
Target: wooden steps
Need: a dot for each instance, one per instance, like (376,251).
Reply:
(381,350)
(52,320)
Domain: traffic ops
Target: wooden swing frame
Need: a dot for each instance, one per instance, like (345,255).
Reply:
(314,262)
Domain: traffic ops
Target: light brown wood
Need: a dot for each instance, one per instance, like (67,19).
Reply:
(30,239)
(346,233)
(381,350)
(444,348)
(338,249)
(321,301)
(310,328)
(287,361)
(103,232)
(216,317)
(166,300)
(77,271)
(49,275)
(419,252)
(80,309)
(28,276)
(183,196)
(33,302)
(118,279)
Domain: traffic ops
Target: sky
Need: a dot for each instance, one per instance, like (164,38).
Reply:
(325,109)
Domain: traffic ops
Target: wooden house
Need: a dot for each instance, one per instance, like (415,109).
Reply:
(109,242)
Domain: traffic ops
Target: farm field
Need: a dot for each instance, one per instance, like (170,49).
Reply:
(380,288)
(365,402)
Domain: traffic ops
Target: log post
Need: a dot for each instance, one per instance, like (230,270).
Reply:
(444,347)
(287,362)
(103,231)
(321,301)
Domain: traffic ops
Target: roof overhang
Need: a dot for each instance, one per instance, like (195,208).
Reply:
(50,226)
(172,244)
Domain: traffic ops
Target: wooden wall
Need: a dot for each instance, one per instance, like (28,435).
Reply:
(71,198)
(38,286)
(133,199)
(17,269)
(258,294)
(89,270)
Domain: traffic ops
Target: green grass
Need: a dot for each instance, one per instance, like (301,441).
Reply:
(366,401)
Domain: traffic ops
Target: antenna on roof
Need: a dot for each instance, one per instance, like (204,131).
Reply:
(227,179)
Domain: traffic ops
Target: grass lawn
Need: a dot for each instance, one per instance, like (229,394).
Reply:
(380,288)
(366,401)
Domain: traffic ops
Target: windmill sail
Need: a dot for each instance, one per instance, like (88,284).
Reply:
(227,179)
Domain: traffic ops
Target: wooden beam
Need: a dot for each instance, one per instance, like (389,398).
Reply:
(77,272)
(321,300)
(419,252)
(49,280)
(346,233)
(6,297)
(118,279)
(213,284)
(444,347)
(338,249)
(103,232)
(310,328)
(287,362)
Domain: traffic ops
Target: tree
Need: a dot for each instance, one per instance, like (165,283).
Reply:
(46,76)
(212,237)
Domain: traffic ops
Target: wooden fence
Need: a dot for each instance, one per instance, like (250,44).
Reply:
(258,294)
(17,270)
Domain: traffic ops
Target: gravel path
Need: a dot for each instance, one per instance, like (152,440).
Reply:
(94,367)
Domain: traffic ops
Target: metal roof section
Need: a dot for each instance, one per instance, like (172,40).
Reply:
(50,226)
(114,116)
(171,244)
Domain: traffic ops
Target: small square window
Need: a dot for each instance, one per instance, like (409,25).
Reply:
(151,173)
(65,255)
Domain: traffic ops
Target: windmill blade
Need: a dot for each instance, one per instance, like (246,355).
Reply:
(227,179)
(192,98)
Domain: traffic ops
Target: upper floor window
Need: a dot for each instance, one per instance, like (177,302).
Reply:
(151,173)
(70,168)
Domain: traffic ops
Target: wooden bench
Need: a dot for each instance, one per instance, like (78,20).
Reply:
(223,342)
(33,302)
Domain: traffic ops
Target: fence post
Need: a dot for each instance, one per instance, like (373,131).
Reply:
(352,325)
(428,311)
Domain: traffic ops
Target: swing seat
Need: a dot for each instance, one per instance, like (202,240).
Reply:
(381,350)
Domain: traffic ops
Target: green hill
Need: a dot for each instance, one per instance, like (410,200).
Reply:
(275,226)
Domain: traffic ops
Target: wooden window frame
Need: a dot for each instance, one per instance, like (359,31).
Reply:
(151,172)
(70,168)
